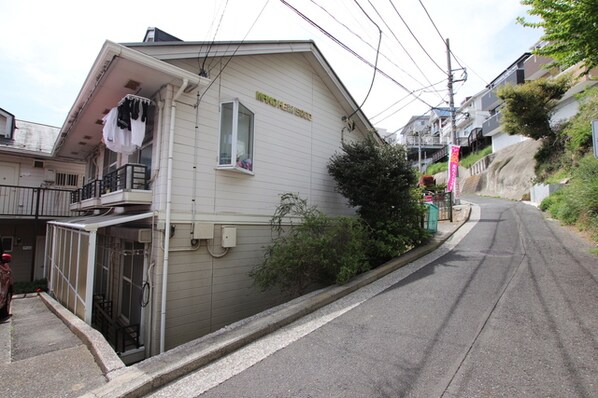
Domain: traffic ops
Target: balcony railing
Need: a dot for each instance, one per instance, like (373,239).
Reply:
(128,177)
(34,202)
(491,124)
(426,140)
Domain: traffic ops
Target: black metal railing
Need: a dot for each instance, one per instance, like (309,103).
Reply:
(130,176)
(34,201)
(89,191)
(120,337)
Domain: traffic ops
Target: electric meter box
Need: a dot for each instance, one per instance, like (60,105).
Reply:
(229,237)
(203,230)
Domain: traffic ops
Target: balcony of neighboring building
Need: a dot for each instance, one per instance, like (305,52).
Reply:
(19,202)
(492,125)
(490,100)
(534,67)
(127,185)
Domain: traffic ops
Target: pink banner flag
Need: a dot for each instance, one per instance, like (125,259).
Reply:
(453,167)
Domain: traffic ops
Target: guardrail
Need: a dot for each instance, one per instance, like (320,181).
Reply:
(130,176)
(34,202)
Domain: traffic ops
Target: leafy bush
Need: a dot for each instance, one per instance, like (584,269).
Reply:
(379,182)
(577,204)
(313,250)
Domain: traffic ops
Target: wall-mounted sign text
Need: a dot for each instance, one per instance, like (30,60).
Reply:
(282,105)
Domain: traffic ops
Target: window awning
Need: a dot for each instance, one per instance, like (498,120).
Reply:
(93,223)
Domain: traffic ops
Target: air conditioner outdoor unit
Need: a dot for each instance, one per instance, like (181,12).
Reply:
(49,175)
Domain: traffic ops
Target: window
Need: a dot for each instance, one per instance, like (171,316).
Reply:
(67,180)
(236,136)
(144,154)
(7,243)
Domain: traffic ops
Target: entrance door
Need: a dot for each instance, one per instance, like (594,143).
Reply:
(131,303)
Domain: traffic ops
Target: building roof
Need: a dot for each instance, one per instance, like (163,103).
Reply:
(31,139)
(148,64)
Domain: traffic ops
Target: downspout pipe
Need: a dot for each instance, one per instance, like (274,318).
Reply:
(168,211)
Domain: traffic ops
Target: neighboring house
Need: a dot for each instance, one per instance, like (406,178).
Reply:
(526,68)
(469,120)
(34,188)
(419,141)
(170,228)
(514,74)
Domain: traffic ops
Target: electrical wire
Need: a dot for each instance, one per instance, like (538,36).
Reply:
(415,37)
(202,70)
(403,98)
(404,49)
(375,64)
(351,51)
(459,62)
(365,42)
(200,97)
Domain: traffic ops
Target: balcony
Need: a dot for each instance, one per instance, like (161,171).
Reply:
(490,100)
(127,185)
(492,125)
(86,198)
(34,202)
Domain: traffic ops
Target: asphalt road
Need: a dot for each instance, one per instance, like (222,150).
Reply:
(508,308)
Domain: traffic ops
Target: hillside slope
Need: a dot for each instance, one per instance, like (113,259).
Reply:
(510,175)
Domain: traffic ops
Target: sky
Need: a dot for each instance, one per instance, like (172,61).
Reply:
(48,47)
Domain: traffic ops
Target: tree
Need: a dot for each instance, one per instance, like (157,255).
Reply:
(570,30)
(528,107)
(378,181)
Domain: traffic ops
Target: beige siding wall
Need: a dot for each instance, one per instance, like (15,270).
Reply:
(30,176)
(290,155)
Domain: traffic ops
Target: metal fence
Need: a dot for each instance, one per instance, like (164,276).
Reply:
(444,202)
(130,176)
(34,202)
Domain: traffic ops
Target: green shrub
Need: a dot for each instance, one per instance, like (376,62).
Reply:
(380,184)
(313,250)
(577,203)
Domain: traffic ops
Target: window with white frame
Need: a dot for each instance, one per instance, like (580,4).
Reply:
(236,136)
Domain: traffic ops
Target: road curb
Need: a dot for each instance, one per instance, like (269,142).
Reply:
(103,353)
(157,371)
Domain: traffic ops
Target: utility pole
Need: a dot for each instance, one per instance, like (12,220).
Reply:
(453,119)
(451,95)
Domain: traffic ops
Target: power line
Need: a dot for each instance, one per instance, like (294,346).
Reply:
(202,71)
(347,48)
(365,42)
(403,98)
(376,62)
(415,37)
(452,53)
(200,97)
(404,49)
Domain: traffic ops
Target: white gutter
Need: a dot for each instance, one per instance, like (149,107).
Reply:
(168,211)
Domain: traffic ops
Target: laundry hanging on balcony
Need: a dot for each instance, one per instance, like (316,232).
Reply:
(124,125)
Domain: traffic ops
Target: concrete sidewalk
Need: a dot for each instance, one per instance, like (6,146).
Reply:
(40,356)
(150,374)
